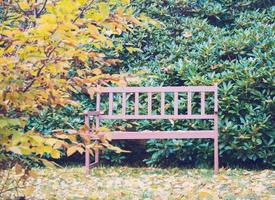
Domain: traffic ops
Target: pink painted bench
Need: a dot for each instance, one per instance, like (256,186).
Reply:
(126,135)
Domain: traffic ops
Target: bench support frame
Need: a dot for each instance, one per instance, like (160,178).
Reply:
(118,135)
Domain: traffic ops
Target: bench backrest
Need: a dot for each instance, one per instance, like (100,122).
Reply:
(153,90)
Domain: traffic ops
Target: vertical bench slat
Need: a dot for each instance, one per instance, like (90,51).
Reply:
(98,102)
(87,152)
(136,103)
(216,99)
(123,103)
(189,106)
(176,103)
(97,125)
(110,103)
(162,103)
(202,103)
(97,122)
(149,103)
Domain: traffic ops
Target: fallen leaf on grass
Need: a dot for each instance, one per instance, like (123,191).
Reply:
(28,191)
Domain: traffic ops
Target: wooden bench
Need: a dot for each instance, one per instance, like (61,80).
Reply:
(136,91)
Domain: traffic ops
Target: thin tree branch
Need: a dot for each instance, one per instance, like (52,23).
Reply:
(37,74)
(42,8)
(13,188)
(48,54)
(5,182)
(83,10)
(20,9)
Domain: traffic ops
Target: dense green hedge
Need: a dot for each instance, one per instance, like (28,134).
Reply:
(200,43)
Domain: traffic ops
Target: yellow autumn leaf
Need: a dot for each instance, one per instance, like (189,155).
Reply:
(48,163)
(62,136)
(96,71)
(71,150)
(97,45)
(104,10)
(132,49)
(67,8)
(52,69)
(55,154)
(26,149)
(82,2)
(205,194)
(44,149)
(32,173)
(108,136)
(110,43)
(18,169)
(47,19)
(28,191)
(72,138)
(37,138)
(125,1)
(222,178)
(116,149)
(103,129)
(59,144)
(51,141)
(3,123)
(24,5)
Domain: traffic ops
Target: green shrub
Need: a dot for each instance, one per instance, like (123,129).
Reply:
(232,44)
(200,43)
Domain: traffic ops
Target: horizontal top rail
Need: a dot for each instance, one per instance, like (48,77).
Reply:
(156,117)
(158,89)
(116,135)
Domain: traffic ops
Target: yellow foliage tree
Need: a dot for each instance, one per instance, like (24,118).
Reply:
(39,42)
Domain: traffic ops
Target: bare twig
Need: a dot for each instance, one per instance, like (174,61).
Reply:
(48,54)
(83,10)
(42,8)
(5,182)
(37,75)
(20,9)
(13,188)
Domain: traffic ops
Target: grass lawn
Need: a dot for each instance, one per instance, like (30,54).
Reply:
(152,183)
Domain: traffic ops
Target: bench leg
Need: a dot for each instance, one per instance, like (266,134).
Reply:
(216,156)
(87,161)
(216,145)
(95,163)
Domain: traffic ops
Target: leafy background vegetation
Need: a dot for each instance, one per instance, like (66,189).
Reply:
(198,43)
